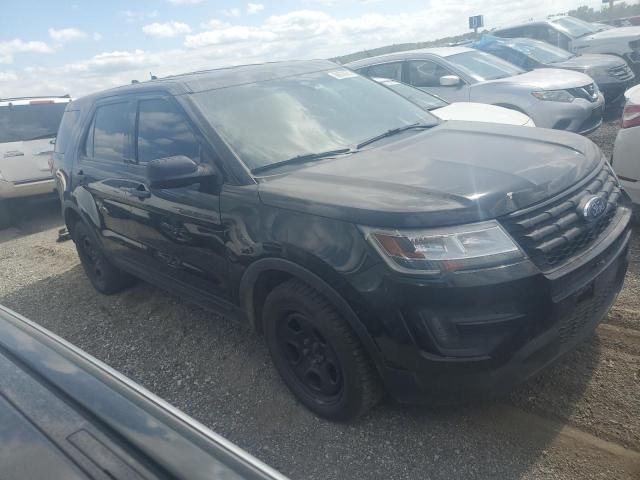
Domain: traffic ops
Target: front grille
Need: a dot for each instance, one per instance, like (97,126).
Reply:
(621,72)
(554,233)
(588,92)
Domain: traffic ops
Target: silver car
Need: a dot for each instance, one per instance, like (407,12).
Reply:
(560,99)
(28,127)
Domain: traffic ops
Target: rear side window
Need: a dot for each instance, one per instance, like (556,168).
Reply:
(386,70)
(30,122)
(67,126)
(110,132)
(164,131)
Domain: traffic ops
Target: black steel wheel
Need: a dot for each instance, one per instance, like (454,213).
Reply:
(103,275)
(317,353)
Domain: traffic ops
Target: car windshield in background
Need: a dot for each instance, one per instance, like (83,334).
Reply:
(29,122)
(276,120)
(574,27)
(541,51)
(482,66)
(417,96)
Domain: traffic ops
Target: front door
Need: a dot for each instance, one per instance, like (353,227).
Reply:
(179,229)
(426,75)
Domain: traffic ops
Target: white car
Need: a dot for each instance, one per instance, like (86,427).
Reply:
(626,151)
(578,36)
(28,127)
(473,112)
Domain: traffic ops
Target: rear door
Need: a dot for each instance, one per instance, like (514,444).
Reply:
(179,229)
(426,74)
(101,173)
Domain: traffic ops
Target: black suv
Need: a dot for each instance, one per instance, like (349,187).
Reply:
(376,248)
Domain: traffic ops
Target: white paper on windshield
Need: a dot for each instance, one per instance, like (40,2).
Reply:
(342,74)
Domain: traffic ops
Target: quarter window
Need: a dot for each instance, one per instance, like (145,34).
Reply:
(163,131)
(386,70)
(425,74)
(110,132)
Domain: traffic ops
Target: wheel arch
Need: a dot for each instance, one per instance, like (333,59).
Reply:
(265,274)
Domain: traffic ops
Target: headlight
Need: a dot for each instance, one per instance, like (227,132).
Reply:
(441,250)
(554,96)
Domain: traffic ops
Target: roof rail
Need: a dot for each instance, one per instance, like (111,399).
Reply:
(66,95)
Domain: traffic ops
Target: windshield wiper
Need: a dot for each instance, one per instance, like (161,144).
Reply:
(395,131)
(308,157)
(40,137)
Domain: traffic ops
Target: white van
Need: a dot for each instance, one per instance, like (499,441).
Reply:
(28,127)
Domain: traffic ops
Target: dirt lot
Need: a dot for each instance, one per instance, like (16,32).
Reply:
(579,419)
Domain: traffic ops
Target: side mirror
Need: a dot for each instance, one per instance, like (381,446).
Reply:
(450,80)
(178,171)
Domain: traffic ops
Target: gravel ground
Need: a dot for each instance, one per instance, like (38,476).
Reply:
(579,419)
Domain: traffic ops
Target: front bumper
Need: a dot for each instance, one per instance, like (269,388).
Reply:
(614,91)
(27,188)
(515,321)
(580,116)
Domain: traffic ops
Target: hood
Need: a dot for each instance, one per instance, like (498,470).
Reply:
(548,79)
(582,62)
(21,161)
(614,33)
(481,112)
(454,173)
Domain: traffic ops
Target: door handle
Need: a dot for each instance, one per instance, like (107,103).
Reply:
(140,191)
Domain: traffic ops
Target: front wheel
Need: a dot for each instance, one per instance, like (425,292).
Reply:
(317,353)
(103,275)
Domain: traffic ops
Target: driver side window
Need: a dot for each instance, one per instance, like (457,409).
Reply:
(423,73)
(164,131)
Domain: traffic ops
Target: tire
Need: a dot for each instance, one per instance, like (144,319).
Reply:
(317,353)
(104,277)
(5,215)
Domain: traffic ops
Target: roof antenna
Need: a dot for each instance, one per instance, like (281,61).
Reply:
(153,77)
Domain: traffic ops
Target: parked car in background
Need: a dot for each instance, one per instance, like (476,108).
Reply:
(552,98)
(472,112)
(626,150)
(375,247)
(66,415)
(624,22)
(578,36)
(611,73)
(28,127)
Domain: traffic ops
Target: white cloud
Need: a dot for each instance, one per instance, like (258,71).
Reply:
(8,76)
(134,16)
(166,29)
(184,2)
(12,47)
(307,33)
(254,8)
(65,35)
(234,12)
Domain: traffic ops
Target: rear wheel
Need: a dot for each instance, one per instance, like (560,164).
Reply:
(317,354)
(5,214)
(103,275)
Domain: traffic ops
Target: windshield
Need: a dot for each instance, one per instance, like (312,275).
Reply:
(420,97)
(541,51)
(574,27)
(27,122)
(483,66)
(272,121)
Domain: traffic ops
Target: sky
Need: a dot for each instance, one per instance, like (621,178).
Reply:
(78,47)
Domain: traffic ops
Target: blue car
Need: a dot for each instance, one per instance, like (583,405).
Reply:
(611,73)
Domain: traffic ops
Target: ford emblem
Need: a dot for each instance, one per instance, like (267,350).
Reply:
(593,208)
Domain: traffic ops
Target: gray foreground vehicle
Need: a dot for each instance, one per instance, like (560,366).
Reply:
(559,99)
(66,415)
